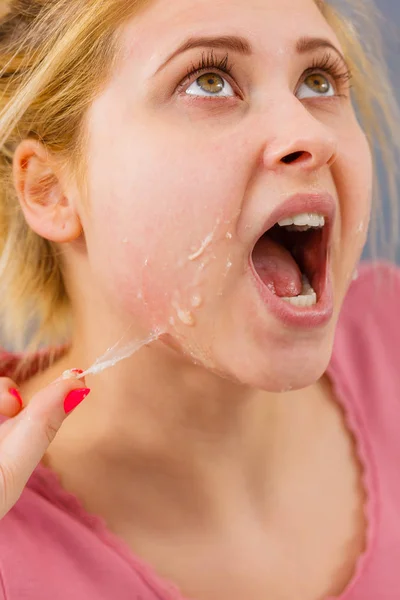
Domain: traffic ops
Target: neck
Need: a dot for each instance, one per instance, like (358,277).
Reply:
(157,426)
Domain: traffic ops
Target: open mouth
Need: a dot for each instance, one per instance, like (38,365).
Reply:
(291,258)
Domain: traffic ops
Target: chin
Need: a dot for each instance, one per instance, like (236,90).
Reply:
(279,369)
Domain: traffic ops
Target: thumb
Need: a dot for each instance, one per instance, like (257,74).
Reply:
(27,436)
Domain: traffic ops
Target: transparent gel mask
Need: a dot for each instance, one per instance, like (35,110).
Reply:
(183,312)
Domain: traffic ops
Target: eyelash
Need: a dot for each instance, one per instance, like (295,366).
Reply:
(210,61)
(329,64)
(333,66)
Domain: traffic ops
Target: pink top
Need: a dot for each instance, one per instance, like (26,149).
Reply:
(52,549)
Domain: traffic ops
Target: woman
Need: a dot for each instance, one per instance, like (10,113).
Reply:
(196,169)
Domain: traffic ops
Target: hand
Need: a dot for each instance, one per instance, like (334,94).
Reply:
(26,435)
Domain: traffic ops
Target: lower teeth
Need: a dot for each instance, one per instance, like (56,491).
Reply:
(308,297)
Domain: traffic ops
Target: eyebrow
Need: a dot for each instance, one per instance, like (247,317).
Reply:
(242,46)
(309,44)
(225,42)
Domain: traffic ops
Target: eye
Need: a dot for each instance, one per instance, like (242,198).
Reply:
(314,85)
(210,84)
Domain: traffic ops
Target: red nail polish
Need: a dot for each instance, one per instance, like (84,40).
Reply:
(16,394)
(74,398)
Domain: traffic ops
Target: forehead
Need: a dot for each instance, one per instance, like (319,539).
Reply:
(273,25)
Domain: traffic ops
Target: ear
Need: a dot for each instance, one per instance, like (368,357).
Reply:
(39,184)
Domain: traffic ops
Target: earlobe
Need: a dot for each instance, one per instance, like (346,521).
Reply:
(43,199)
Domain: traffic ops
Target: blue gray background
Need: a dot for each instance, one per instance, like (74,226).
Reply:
(384,240)
(390,9)
(390,27)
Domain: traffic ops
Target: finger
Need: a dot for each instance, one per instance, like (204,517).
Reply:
(10,398)
(28,439)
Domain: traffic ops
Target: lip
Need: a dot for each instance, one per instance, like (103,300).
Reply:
(294,316)
(321,203)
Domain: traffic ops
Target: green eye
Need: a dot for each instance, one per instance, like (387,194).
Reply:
(318,83)
(211,83)
(314,85)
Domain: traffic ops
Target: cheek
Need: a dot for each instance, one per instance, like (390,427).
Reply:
(353,179)
(160,239)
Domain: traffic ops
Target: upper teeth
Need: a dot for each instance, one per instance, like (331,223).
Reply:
(304,220)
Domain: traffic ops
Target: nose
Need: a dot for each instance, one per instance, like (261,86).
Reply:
(300,141)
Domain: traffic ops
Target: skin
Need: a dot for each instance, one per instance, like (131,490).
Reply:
(199,418)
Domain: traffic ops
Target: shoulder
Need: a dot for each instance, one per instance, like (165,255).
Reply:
(370,319)
(366,352)
(377,284)
(368,330)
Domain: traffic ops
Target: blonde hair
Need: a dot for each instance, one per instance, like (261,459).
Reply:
(55,56)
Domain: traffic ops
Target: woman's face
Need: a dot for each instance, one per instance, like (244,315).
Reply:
(220,119)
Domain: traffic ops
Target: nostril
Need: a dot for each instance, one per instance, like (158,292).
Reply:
(294,157)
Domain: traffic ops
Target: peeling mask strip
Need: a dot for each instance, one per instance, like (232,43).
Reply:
(114,355)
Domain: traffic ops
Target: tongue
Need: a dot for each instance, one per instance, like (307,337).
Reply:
(277,268)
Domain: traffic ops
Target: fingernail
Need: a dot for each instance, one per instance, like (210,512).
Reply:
(16,394)
(70,374)
(74,398)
